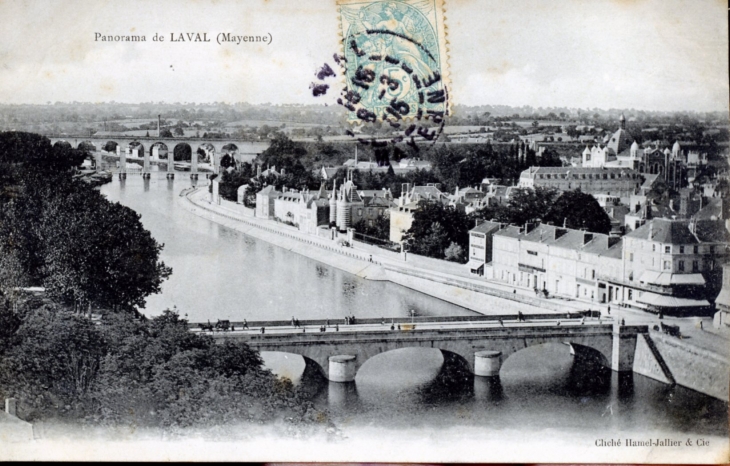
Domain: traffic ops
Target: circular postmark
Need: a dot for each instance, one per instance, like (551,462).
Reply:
(391,64)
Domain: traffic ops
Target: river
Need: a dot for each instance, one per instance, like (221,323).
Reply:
(219,273)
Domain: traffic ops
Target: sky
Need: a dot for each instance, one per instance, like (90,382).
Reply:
(644,54)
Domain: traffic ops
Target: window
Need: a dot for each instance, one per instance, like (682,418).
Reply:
(359,212)
(593,273)
(681,266)
(681,249)
(653,248)
(712,249)
(667,249)
(696,249)
(370,222)
(631,257)
(667,265)
(695,266)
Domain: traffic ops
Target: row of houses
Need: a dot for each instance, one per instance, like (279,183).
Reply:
(342,207)
(666,265)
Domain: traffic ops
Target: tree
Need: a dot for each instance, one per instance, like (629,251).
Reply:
(227,161)
(283,152)
(527,205)
(98,252)
(231,181)
(435,227)
(165,133)
(179,131)
(579,210)
(380,227)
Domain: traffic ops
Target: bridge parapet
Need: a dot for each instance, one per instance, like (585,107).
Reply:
(465,342)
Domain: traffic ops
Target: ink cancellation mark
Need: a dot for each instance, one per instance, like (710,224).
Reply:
(394,61)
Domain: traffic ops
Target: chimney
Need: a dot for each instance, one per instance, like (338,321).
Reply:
(158,125)
(11,406)
(587,237)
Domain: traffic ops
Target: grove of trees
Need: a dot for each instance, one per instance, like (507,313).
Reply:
(120,368)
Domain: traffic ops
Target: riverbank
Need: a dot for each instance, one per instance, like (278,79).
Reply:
(425,275)
(451,283)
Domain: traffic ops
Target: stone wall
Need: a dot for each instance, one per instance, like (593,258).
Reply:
(692,367)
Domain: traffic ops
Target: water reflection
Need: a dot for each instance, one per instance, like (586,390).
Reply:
(488,390)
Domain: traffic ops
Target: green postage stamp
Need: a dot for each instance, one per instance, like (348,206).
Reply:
(395,60)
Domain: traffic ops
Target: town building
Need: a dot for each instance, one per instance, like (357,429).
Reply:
(265,201)
(560,261)
(617,182)
(401,213)
(622,151)
(665,266)
(303,209)
(722,302)
(348,205)
(672,266)
(480,246)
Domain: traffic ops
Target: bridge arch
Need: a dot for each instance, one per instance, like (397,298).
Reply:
(162,150)
(110,146)
(206,152)
(87,146)
(289,365)
(182,152)
(138,146)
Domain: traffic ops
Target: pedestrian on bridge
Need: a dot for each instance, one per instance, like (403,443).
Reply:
(520,317)
(263,330)
(500,322)
(392,327)
(337,327)
(245,324)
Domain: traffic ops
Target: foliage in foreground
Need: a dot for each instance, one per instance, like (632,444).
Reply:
(130,371)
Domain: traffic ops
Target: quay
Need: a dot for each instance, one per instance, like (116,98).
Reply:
(700,361)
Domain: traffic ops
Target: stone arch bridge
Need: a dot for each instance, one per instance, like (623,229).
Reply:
(483,348)
(142,148)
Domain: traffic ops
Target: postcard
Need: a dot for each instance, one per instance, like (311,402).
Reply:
(365,231)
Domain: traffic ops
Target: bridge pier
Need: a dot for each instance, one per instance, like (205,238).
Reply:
(342,368)
(122,164)
(487,363)
(146,165)
(624,347)
(488,389)
(170,165)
